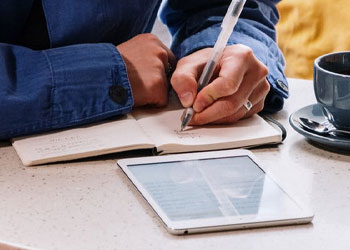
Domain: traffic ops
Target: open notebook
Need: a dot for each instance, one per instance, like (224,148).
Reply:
(157,129)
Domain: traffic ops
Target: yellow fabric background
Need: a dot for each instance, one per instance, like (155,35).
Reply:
(310,28)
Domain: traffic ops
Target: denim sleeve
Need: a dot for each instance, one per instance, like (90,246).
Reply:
(195,24)
(60,87)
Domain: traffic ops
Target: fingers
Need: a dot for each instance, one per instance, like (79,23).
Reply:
(239,77)
(236,66)
(164,53)
(257,98)
(231,109)
(171,59)
(258,95)
(185,77)
(147,60)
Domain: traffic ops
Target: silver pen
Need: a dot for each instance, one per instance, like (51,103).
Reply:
(229,22)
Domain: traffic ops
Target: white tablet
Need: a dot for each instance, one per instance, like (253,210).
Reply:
(212,191)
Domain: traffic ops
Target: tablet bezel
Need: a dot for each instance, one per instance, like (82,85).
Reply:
(213,224)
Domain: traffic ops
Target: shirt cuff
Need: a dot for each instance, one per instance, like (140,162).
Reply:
(90,83)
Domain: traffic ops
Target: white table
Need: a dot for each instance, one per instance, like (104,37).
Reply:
(90,204)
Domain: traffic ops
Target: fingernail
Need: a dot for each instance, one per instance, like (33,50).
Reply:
(186,99)
(198,106)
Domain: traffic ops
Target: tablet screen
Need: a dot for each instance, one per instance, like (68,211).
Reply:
(208,188)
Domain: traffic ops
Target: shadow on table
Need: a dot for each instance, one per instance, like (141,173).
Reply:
(5,144)
(255,231)
(320,149)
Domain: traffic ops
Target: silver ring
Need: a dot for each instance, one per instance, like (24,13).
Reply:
(248,105)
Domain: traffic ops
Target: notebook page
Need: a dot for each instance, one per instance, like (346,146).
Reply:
(164,129)
(96,139)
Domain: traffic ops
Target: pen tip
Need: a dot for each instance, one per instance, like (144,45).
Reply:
(186,118)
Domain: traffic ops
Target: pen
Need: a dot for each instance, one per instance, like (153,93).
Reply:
(229,22)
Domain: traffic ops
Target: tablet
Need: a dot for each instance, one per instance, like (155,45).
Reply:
(212,191)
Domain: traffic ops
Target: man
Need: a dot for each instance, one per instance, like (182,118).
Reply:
(66,63)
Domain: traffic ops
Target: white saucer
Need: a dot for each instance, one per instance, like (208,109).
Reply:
(314,112)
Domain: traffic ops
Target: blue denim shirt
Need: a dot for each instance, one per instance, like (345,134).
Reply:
(81,77)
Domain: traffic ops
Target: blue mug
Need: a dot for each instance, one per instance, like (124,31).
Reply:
(332,87)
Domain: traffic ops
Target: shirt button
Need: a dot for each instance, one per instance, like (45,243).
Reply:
(282,85)
(118,94)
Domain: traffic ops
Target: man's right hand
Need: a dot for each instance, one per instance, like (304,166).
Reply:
(147,59)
